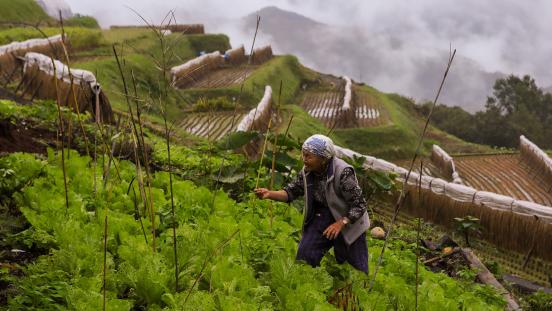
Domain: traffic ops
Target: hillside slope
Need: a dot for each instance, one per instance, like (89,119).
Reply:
(140,53)
(27,11)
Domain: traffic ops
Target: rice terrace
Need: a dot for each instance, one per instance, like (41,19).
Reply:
(188,155)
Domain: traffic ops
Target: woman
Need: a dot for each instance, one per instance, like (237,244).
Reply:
(335,210)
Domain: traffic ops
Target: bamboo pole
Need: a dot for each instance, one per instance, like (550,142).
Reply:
(62,131)
(135,134)
(418,227)
(402,195)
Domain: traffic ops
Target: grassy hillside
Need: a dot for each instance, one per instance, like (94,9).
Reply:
(397,140)
(284,68)
(303,125)
(22,11)
(140,50)
(79,38)
(141,53)
(29,12)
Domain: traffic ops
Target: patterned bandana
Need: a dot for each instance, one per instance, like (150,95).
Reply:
(319,145)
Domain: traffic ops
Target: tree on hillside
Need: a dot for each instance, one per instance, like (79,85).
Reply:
(517,107)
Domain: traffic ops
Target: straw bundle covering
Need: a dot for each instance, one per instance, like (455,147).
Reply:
(258,117)
(261,55)
(235,56)
(38,79)
(518,225)
(9,53)
(537,158)
(507,229)
(186,28)
(181,28)
(347,115)
(183,75)
(348,94)
(445,163)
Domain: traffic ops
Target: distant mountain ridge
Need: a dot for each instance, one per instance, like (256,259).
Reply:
(381,59)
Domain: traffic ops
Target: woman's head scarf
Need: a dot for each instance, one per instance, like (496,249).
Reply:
(319,145)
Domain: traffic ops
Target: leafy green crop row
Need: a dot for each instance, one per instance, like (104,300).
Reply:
(42,112)
(230,257)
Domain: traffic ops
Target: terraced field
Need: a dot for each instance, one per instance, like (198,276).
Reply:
(368,111)
(210,125)
(429,168)
(325,106)
(504,174)
(224,77)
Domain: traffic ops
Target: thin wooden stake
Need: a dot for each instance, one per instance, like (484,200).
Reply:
(251,56)
(402,196)
(61,129)
(135,132)
(262,153)
(418,228)
(104,278)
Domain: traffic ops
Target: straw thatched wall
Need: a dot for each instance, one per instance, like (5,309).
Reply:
(181,28)
(506,229)
(348,93)
(257,120)
(10,52)
(537,159)
(261,55)
(235,56)
(258,117)
(445,163)
(187,28)
(196,68)
(39,80)
(347,113)
(513,224)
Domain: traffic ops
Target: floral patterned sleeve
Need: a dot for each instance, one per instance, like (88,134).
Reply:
(353,194)
(295,188)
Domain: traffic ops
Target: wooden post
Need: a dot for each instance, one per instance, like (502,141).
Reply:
(488,278)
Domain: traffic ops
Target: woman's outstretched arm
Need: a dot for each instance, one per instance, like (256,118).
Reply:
(279,195)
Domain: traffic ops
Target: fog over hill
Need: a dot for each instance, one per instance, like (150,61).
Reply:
(392,45)
(52,8)
(382,60)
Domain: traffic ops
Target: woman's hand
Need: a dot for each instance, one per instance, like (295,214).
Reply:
(262,193)
(333,230)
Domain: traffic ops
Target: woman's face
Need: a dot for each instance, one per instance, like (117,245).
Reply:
(312,162)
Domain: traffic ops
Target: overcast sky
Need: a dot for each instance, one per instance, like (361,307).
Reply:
(500,35)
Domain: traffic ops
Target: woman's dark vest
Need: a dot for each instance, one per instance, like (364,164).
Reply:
(336,203)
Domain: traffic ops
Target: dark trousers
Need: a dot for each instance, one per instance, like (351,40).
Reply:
(314,244)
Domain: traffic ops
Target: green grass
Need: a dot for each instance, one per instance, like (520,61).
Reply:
(139,48)
(79,38)
(22,11)
(281,68)
(395,141)
(284,68)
